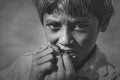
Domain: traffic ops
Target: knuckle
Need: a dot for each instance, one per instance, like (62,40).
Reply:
(36,68)
(69,74)
(37,52)
(34,63)
(61,77)
(50,65)
(50,50)
(34,58)
(51,56)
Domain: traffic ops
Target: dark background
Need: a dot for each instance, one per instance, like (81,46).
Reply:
(21,32)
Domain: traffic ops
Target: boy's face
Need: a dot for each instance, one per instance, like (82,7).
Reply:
(69,33)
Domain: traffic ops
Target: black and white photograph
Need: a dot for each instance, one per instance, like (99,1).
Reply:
(59,39)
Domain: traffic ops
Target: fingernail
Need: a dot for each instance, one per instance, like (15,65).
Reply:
(65,55)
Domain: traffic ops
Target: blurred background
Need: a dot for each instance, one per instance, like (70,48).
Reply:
(21,32)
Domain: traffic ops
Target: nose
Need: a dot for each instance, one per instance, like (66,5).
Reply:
(66,37)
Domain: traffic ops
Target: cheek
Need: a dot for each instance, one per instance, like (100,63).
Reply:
(51,37)
(87,38)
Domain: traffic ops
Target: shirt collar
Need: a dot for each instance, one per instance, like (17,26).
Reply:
(90,69)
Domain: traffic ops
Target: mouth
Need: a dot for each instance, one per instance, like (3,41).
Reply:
(60,50)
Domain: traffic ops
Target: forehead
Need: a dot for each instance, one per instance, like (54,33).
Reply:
(64,17)
(71,7)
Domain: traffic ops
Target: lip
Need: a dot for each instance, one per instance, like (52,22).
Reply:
(63,47)
(66,49)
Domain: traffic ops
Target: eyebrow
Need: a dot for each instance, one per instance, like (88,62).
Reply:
(76,20)
(81,21)
(51,21)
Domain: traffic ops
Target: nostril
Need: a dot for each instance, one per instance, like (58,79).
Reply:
(66,37)
(71,41)
(67,42)
(65,46)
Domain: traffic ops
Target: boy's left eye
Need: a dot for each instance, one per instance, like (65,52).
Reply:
(54,26)
(80,26)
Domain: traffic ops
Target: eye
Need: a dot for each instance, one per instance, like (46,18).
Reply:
(81,26)
(54,26)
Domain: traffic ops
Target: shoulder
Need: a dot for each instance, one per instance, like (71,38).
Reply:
(109,72)
(98,68)
(21,67)
(104,69)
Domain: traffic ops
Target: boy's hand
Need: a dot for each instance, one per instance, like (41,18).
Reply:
(42,63)
(65,69)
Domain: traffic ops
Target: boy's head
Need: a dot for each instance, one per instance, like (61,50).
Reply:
(74,24)
(101,9)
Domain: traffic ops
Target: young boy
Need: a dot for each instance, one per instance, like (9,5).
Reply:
(71,53)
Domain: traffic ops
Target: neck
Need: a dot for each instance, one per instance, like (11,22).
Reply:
(80,61)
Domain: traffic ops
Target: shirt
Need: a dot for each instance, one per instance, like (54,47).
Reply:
(96,68)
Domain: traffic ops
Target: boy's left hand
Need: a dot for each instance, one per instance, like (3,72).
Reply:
(65,69)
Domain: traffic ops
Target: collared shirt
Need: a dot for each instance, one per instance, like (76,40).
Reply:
(96,68)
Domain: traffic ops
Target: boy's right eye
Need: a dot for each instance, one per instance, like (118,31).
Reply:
(55,26)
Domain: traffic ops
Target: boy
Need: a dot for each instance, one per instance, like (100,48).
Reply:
(72,28)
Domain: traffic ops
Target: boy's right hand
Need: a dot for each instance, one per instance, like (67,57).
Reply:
(42,63)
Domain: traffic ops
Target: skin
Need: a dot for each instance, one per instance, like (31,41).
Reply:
(69,33)
(77,34)
(41,63)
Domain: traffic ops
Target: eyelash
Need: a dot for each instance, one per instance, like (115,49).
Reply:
(57,26)
(80,26)
(54,27)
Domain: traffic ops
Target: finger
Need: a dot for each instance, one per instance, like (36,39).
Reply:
(52,76)
(60,72)
(44,46)
(44,59)
(44,67)
(68,64)
(44,53)
(46,77)
(39,71)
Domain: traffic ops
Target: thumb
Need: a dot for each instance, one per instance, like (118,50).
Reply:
(68,64)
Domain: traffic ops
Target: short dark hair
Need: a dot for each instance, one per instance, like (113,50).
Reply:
(101,9)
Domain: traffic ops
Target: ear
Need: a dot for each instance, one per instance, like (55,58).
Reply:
(104,25)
